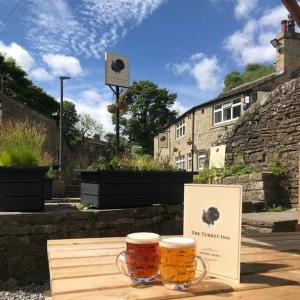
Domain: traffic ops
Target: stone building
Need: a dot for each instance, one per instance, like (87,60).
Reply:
(187,142)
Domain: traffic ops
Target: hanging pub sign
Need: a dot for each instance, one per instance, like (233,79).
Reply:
(116,70)
(212,216)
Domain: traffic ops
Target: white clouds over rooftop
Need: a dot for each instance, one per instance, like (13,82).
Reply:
(251,44)
(243,8)
(205,70)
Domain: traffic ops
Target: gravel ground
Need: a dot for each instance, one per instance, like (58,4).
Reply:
(10,291)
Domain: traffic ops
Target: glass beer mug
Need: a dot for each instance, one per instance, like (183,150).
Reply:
(140,259)
(178,263)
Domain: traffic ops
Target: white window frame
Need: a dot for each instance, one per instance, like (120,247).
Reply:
(180,129)
(226,105)
(180,162)
(201,154)
(189,162)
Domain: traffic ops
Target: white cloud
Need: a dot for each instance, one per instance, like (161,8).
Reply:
(41,74)
(243,8)
(252,43)
(62,65)
(95,103)
(205,70)
(87,28)
(20,54)
(179,107)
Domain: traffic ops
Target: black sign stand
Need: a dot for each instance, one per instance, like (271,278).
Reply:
(117,93)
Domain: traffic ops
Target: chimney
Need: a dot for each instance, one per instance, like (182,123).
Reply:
(287,45)
(284,26)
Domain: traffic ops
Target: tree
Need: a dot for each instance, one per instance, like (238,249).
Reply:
(110,147)
(252,72)
(18,86)
(88,127)
(149,112)
(70,119)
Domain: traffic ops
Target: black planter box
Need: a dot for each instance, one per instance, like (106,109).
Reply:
(120,189)
(48,188)
(22,189)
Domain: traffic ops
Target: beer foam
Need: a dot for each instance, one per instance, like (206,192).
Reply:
(142,238)
(177,242)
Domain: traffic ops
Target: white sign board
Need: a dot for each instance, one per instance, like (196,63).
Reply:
(217,157)
(212,216)
(116,70)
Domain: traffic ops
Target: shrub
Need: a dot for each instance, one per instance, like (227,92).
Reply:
(21,144)
(207,175)
(276,168)
(136,162)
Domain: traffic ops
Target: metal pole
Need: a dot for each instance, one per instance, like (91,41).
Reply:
(2,82)
(117,121)
(60,126)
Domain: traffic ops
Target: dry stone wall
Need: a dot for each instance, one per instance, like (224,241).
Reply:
(23,236)
(270,131)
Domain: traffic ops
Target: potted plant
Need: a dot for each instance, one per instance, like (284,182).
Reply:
(48,181)
(23,166)
(133,181)
(112,108)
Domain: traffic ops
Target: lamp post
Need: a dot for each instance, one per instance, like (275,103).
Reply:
(62,78)
(2,72)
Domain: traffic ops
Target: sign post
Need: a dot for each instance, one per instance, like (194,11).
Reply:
(116,75)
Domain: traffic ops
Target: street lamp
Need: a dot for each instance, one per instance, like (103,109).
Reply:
(62,78)
(2,72)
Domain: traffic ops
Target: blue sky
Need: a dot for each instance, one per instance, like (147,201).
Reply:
(184,45)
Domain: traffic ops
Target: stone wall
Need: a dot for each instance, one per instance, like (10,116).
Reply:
(259,189)
(270,131)
(23,236)
(78,155)
(13,110)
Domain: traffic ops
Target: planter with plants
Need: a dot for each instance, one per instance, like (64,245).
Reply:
(23,166)
(48,182)
(133,181)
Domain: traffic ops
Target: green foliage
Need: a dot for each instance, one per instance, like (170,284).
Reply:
(135,162)
(70,118)
(207,175)
(85,206)
(21,144)
(18,86)
(51,173)
(239,170)
(88,127)
(149,111)
(110,147)
(276,168)
(69,172)
(274,208)
(251,73)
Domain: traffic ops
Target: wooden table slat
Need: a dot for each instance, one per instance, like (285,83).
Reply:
(85,269)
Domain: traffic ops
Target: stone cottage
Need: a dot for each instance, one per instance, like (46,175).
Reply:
(188,141)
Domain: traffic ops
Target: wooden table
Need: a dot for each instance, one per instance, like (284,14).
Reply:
(85,269)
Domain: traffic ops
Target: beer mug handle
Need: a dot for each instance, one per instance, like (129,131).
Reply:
(121,263)
(198,279)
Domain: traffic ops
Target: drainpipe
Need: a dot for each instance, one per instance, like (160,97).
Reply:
(193,134)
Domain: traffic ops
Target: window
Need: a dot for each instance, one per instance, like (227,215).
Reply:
(201,160)
(180,162)
(180,129)
(189,161)
(227,111)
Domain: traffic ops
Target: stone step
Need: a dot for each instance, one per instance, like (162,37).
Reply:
(265,222)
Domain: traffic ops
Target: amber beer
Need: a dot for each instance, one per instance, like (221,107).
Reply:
(178,262)
(141,258)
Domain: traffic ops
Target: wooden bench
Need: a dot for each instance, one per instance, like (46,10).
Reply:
(84,269)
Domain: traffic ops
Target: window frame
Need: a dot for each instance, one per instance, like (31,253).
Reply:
(180,129)
(180,162)
(202,154)
(189,159)
(225,105)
